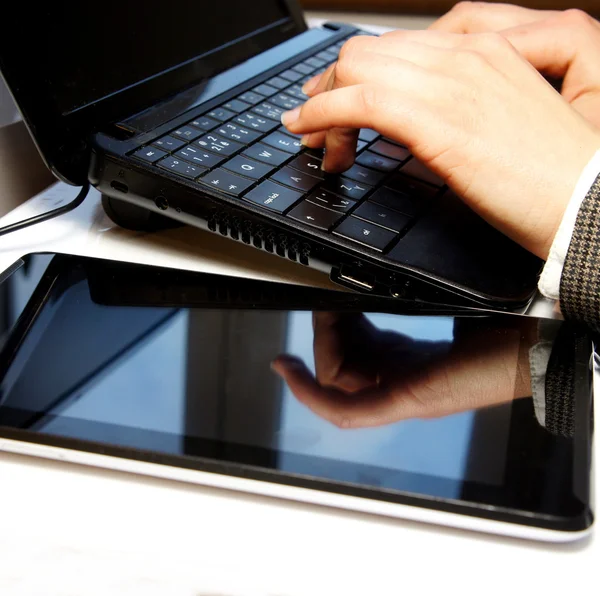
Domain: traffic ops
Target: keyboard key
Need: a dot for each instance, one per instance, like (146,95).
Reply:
(315,62)
(204,123)
(346,187)
(149,154)
(365,233)
(285,131)
(291,75)
(265,90)
(237,106)
(248,167)
(266,154)
(227,182)
(360,145)
(314,216)
(295,179)
(417,170)
(237,133)
(366,134)
(377,162)
(326,56)
(303,68)
(296,92)
(308,164)
(199,157)
(412,187)
(183,168)
(409,205)
(389,150)
(268,110)
(278,83)
(387,218)
(187,133)
(328,200)
(360,174)
(273,196)
(256,122)
(218,144)
(169,143)
(251,97)
(388,140)
(285,101)
(283,142)
(221,114)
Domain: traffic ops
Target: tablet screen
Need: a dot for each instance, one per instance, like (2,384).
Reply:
(443,407)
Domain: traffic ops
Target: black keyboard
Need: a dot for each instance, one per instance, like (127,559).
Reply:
(241,149)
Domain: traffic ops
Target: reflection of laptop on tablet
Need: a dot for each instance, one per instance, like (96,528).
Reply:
(175,110)
(182,388)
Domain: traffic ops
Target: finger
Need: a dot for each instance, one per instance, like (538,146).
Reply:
(315,140)
(552,46)
(330,349)
(319,83)
(364,106)
(367,409)
(325,82)
(480,17)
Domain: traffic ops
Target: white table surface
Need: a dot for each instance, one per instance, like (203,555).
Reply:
(70,530)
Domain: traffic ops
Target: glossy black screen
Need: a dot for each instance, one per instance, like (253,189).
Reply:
(420,406)
(82,52)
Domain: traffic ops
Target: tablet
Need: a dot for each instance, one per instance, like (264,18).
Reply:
(460,418)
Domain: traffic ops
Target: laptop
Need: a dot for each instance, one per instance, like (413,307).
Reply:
(173,111)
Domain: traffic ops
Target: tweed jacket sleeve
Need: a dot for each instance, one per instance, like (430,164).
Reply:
(580,280)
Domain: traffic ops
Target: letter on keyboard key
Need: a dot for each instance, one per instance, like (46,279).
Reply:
(248,167)
(295,179)
(273,196)
(346,187)
(266,154)
(283,142)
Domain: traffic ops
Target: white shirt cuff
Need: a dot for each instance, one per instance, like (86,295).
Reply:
(549,284)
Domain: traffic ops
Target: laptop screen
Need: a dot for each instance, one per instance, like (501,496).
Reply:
(82,52)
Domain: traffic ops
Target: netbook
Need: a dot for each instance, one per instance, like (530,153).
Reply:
(173,109)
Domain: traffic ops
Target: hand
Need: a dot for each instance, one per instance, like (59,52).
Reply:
(472,109)
(563,45)
(366,377)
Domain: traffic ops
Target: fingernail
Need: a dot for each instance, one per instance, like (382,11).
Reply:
(305,140)
(288,362)
(288,118)
(310,86)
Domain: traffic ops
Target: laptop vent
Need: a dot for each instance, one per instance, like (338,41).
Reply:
(259,236)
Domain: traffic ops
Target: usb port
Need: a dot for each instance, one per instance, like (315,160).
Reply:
(357,279)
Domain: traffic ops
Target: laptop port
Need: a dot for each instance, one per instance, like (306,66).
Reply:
(120,186)
(358,279)
(161,202)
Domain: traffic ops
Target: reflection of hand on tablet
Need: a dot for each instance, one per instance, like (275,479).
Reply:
(367,377)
